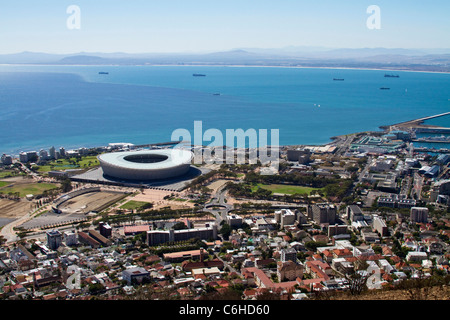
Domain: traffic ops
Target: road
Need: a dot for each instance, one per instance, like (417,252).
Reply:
(344,144)
(406,185)
(218,206)
(8,231)
(226,264)
(417,186)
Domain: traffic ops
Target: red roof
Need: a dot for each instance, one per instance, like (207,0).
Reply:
(267,282)
(249,293)
(342,252)
(223,283)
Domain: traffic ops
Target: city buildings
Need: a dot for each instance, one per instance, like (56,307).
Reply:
(366,229)
(54,239)
(380,225)
(419,214)
(155,237)
(323,213)
(6,159)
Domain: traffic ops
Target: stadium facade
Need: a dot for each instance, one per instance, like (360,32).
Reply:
(146,165)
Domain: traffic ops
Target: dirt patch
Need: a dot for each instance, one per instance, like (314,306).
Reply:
(19,179)
(14,209)
(217,184)
(89,202)
(156,197)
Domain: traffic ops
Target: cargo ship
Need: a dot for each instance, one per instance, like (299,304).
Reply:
(391,76)
(199,75)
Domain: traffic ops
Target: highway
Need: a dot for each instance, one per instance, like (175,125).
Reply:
(218,206)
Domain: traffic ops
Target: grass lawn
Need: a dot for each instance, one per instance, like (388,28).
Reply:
(29,188)
(7,173)
(134,205)
(4,183)
(284,189)
(64,164)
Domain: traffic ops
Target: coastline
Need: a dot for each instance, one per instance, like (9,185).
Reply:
(222,65)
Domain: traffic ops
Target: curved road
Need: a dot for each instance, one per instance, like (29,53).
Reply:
(219,200)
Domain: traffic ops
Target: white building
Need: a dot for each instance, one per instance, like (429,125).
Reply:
(70,238)
(416,256)
(380,165)
(234,220)
(380,226)
(386,266)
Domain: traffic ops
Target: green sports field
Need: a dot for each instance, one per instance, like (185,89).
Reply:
(64,164)
(284,189)
(29,188)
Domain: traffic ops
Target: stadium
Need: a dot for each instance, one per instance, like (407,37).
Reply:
(146,165)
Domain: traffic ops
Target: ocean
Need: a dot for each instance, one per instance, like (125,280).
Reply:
(75,106)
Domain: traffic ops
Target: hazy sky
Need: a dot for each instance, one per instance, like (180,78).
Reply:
(209,25)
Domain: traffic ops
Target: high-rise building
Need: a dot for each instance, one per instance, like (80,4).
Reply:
(234,220)
(23,157)
(354,213)
(285,217)
(289,254)
(54,239)
(380,226)
(52,152)
(323,213)
(419,214)
(105,229)
(32,156)
(43,154)
(6,159)
(70,238)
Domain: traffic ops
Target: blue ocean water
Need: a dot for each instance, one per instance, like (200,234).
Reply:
(75,106)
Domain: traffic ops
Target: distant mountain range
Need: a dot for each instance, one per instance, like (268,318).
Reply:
(437,60)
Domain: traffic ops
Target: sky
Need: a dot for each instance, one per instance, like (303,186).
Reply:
(142,26)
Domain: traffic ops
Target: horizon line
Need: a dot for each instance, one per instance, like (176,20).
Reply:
(292,47)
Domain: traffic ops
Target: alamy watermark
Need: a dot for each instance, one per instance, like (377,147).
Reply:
(74,20)
(374,277)
(374,20)
(239,147)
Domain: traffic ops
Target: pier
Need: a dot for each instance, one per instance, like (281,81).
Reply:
(425,118)
(418,126)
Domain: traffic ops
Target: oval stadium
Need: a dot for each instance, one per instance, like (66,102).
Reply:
(146,164)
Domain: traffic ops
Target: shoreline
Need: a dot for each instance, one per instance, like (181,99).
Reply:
(221,65)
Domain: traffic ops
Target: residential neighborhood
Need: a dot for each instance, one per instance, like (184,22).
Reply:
(335,221)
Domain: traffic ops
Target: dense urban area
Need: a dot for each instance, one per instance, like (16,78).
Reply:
(364,215)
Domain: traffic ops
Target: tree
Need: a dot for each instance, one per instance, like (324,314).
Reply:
(66,185)
(313,245)
(357,283)
(225,231)
(180,226)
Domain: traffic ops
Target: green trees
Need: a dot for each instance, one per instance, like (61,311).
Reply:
(66,185)
(225,231)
